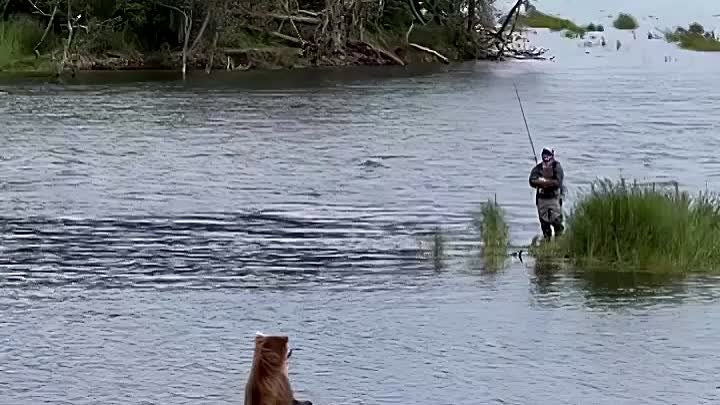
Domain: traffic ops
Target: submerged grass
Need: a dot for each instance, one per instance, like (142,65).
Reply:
(637,226)
(432,247)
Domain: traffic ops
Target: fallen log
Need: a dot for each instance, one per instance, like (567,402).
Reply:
(430,51)
(276,34)
(293,18)
(277,49)
(310,13)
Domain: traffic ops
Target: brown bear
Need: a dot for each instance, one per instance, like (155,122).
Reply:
(268,383)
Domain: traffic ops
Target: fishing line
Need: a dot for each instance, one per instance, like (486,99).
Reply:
(522,110)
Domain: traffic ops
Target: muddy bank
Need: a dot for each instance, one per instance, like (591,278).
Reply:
(259,58)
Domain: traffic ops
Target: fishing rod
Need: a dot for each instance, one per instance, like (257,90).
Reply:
(532,145)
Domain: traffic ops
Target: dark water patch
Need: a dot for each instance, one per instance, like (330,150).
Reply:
(166,250)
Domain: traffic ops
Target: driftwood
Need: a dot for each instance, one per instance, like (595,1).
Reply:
(387,54)
(430,51)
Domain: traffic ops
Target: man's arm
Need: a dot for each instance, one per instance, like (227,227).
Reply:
(559,174)
(534,177)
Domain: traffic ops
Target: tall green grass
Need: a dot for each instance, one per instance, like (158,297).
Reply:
(632,225)
(18,38)
(494,232)
(625,22)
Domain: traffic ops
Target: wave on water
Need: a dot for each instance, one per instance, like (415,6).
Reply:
(240,250)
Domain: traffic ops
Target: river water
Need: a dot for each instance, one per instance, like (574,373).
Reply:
(151,227)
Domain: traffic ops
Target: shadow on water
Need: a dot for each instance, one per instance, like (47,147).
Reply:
(603,287)
(545,277)
(558,283)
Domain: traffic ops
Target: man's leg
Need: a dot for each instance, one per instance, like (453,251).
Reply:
(556,216)
(544,217)
(558,227)
(546,229)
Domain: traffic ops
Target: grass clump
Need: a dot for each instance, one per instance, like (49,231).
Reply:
(494,231)
(625,22)
(538,19)
(694,38)
(637,226)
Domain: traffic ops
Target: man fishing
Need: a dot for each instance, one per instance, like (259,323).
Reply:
(547,178)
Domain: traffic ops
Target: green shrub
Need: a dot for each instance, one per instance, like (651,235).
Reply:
(625,22)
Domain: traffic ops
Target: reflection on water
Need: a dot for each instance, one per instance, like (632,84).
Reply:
(150,227)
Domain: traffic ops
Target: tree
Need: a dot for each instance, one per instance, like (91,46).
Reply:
(696,28)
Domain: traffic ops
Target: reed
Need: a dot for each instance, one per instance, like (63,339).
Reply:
(639,226)
(494,232)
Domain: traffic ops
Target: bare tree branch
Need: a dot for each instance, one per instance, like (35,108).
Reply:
(202,30)
(172,8)
(47,28)
(38,9)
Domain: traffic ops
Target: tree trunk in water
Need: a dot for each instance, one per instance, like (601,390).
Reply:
(188,29)
(472,7)
(208,68)
(516,8)
(68,42)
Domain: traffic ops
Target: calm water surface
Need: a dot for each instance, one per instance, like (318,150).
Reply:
(150,227)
